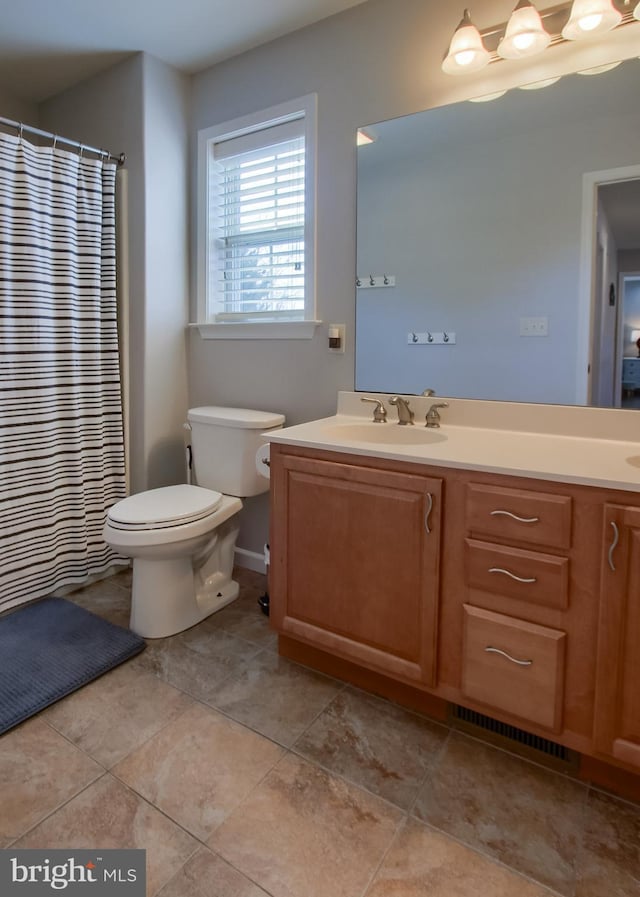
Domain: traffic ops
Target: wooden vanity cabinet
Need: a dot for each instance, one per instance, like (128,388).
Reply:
(617,704)
(355,554)
(516,598)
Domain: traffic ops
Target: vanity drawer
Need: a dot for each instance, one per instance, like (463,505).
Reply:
(530,576)
(536,518)
(514,666)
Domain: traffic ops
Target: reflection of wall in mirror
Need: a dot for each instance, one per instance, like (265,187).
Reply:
(473,253)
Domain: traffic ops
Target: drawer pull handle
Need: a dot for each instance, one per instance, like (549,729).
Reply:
(512,575)
(521,663)
(515,517)
(614,544)
(428,514)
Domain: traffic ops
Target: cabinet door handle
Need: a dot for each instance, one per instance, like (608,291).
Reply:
(521,663)
(428,514)
(614,543)
(515,517)
(512,575)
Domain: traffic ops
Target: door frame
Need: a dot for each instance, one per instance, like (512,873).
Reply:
(591,180)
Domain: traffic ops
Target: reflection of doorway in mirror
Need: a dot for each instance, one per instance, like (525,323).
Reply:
(629,292)
(614,263)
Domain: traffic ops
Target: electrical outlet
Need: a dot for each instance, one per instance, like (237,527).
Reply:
(336,338)
(534,326)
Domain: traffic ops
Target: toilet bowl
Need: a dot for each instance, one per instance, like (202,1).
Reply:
(182,538)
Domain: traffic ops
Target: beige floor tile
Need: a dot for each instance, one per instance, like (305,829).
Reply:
(108,815)
(118,712)
(275,697)
(207,875)
(610,860)
(39,771)
(375,744)
(199,768)
(424,863)
(244,619)
(525,816)
(305,833)
(251,582)
(197,661)
(106,598)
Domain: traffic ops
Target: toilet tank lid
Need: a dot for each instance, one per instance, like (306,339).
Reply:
(243,418)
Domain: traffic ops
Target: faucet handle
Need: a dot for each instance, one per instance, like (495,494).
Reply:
(433,417)
(379,412)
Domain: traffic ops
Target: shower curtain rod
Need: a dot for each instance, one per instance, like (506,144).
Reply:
(20,128)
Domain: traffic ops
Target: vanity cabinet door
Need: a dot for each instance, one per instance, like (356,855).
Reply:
(617,705)
(355,562)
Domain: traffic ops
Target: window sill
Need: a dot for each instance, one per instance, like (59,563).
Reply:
(259,330)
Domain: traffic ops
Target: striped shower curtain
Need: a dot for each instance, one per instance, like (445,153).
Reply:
(61,443)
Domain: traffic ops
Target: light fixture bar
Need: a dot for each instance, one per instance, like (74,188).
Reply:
(554,19)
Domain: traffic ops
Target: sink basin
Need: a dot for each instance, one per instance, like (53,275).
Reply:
(384,434)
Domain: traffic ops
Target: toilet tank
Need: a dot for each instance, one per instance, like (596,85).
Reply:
(224,442)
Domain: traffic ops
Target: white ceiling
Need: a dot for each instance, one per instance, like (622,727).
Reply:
(48,45)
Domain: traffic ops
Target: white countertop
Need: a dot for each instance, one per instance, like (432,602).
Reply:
(587,460)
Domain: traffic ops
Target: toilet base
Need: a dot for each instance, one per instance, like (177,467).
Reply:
(176,604)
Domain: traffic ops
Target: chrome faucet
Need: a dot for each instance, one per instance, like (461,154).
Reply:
(428,392)
(433,417)
(405,414)
(379,412)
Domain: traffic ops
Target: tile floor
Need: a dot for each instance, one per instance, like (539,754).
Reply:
(243,774)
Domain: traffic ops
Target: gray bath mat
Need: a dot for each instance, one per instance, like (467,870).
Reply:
(49,649)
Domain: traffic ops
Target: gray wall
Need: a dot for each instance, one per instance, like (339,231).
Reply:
(376,61)
(17,109)
(141,107)
(166,135)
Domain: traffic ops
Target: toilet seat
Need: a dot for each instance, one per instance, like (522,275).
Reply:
(164,508)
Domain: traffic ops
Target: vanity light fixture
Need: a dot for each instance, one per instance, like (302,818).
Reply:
(466,53)
(589,17)
(525,34)
(538,85)
(529,31)
(599,69)
(488,97)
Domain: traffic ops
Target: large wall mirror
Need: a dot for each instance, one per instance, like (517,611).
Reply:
(498,246)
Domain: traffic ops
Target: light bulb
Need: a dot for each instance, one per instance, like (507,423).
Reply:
(590,23)
(525,34)
(523,41)
(466,53)
(589,17)
(464,57)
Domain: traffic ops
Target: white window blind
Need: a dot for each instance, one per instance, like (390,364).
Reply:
(257,225)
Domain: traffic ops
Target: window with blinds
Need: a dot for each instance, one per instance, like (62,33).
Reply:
(258,235)
(258,246)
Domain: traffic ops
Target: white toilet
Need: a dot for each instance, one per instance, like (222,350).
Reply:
(182,538)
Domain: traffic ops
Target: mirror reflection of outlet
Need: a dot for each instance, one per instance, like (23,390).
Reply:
(534,326)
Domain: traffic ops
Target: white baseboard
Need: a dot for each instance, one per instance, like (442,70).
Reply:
(251,560)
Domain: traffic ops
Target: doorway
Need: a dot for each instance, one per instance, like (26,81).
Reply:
(611,288)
